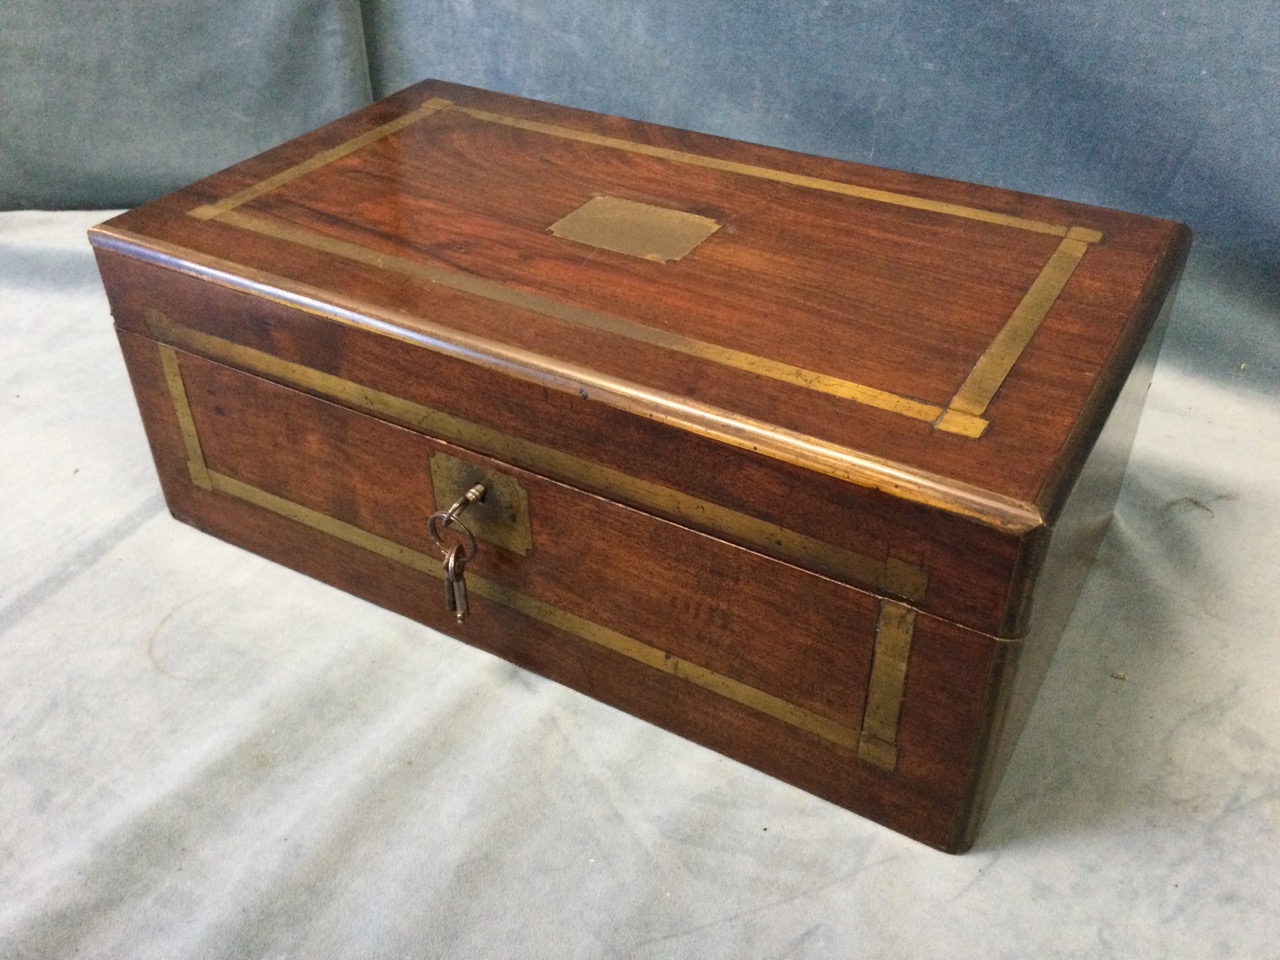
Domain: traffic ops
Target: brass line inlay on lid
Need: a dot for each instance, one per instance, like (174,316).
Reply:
(769,173)
(638,229)
(849,464)
(211,211)
(995,363)
(964,416)
(587,319)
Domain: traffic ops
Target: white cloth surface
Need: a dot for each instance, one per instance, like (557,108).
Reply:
(203,754)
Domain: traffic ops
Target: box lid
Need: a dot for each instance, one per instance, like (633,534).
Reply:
(887,377)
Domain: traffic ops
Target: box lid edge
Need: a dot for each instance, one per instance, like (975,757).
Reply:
(986,507)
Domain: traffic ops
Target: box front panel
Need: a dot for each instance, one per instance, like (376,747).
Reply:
(853,697)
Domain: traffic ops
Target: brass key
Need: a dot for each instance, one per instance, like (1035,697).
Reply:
(455,584)
(456,556)
(450,561)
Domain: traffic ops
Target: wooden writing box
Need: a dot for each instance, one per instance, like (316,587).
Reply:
(801,459)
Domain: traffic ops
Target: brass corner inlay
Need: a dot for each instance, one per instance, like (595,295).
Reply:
(961,424)
(211,211)
(637,229)
(878,741)
(969,404)
(182,411)
(905,578)
(1085,234)
(502,518)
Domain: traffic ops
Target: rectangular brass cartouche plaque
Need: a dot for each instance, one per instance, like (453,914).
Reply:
(638,229)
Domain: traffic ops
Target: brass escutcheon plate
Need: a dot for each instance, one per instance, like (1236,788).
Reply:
(502,518)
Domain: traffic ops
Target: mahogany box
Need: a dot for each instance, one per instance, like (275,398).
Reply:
(800,459)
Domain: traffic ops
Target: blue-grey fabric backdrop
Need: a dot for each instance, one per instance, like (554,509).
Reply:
(108,104)
(205,755)
(1169,108)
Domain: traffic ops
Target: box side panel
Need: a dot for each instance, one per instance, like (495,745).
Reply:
(1134,355)
(607,600)
(1073,544)
(1110,407)
(939,562)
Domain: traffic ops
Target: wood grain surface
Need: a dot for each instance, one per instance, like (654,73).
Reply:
(864,398)
(421,233)
(879,293)
(683,593)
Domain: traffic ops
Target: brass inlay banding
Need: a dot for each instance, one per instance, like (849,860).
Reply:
(584,629)
(582,317)
(210,211)
(892,575)
(878,741)
(768,173)
(990,508)
(766,703)
(389,549)
(994,365)
(182,410)
(619,643)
